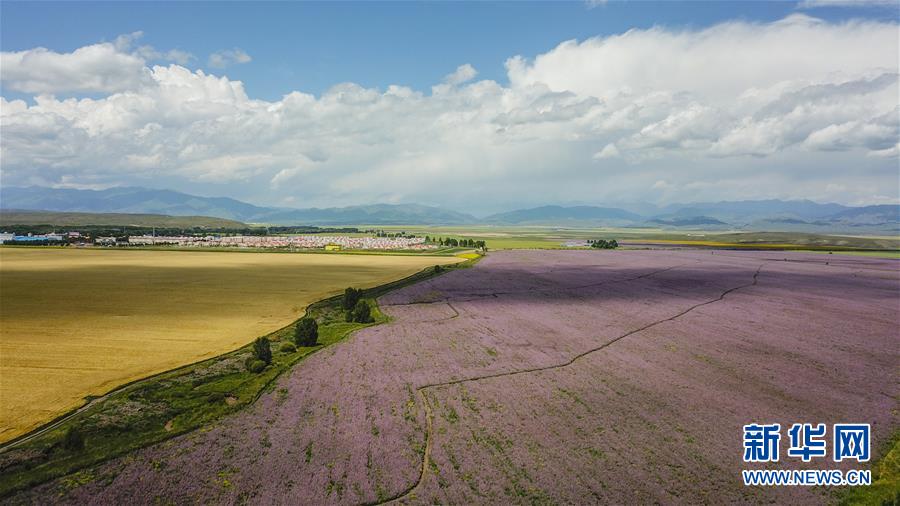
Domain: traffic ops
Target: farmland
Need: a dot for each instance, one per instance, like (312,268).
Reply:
(553,377)
(530,237)
(78,323)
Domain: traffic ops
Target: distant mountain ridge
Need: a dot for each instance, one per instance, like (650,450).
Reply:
(11,217)
(761,215)
(558,215)
(148,201)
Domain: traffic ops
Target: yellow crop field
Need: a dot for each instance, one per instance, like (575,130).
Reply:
(75,323)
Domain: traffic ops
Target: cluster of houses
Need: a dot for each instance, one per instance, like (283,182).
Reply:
(329,243)
(6,237)
(285,241)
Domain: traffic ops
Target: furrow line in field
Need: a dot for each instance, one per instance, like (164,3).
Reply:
(429,413)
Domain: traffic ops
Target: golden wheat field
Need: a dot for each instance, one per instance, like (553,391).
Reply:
(75,323)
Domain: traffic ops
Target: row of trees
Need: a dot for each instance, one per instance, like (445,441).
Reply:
(603,243)
(306,331)
(382,233)
(463,243)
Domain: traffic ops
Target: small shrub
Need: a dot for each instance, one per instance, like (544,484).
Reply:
(215,397)
(262,351)
(287,347)
(438,269)
(73,440)
(306,332)
(256,366)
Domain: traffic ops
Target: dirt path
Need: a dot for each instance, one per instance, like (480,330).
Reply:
(429,413)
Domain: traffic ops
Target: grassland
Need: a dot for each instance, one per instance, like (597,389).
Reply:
(78,323)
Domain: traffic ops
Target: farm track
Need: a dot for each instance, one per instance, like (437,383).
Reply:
(429,412)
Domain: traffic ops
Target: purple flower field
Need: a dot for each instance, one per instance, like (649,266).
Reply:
(553,377)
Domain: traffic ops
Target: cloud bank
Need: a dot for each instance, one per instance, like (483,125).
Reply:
(799,108)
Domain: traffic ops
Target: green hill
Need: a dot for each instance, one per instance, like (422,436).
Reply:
(64,219)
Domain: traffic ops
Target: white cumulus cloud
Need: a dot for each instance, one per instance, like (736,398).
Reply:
(737,110)
(106,67)
(462,74)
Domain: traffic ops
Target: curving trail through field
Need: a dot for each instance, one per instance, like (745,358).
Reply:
(429,431)
(489,386)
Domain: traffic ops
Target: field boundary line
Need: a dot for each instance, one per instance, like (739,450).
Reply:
(479,296)
(373,292)
(429,411)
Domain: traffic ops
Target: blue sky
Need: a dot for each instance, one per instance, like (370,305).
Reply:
(310,46)
(479,106)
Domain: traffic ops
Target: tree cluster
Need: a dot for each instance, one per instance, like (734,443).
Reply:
(603,243)
(401,234)
(462,243)
(361,313)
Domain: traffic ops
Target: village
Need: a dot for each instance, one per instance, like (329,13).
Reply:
(328,243)
(325,242)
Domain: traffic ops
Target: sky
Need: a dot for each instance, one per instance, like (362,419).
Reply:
(478,106)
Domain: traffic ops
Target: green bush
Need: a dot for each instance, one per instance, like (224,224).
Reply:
(256,366)
(215,397)
(262,351)
(306,332)
(362,313)
(73,440)
(287,347)
(351,297)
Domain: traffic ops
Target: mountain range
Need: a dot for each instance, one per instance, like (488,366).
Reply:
(771,215)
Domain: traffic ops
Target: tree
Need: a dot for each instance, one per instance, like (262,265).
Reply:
(351,297)
(73,440)
(262,351)
(306,332)
(362,313)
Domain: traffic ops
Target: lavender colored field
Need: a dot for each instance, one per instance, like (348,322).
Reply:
(561,377)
